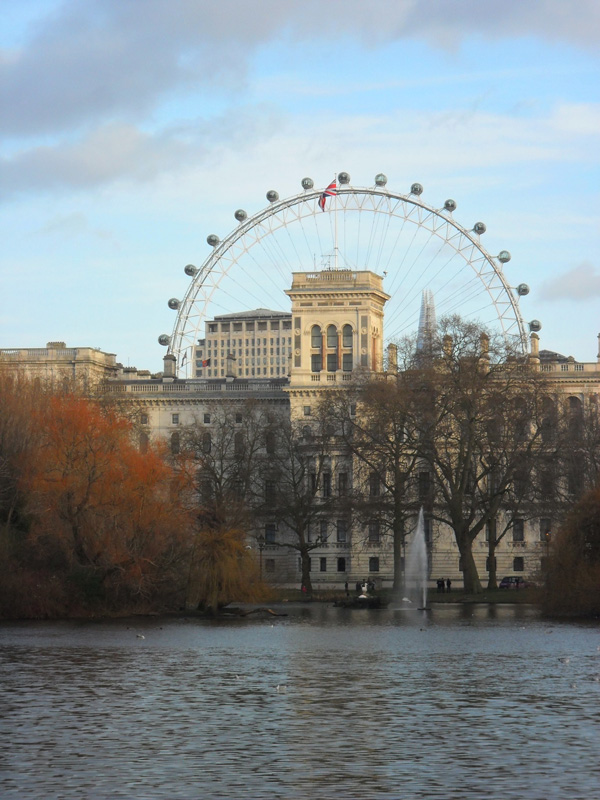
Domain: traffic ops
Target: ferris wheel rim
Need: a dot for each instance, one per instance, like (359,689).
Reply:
(177,344)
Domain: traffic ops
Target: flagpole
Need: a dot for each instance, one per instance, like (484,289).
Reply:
(335,244)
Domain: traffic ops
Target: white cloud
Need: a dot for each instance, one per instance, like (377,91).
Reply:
(580,119)
(119,151)
(579,283)
(107,59)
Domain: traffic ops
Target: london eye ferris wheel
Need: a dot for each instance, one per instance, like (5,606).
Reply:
(413,245)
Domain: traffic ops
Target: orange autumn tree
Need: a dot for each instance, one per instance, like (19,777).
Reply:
(113,516)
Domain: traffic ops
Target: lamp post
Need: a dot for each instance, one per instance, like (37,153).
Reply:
(261,546)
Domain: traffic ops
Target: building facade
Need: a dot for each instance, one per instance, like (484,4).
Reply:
(284,363)
(251,344)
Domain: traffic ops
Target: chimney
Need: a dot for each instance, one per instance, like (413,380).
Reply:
(169,371)
(534,358)
(392,352)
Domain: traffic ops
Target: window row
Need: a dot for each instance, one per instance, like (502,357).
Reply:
(323,484)
(340,564)
(331,336)
(517,530)
(226,327)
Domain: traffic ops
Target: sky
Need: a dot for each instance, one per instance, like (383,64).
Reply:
(131,130)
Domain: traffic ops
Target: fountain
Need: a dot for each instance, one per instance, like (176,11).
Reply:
(415,576)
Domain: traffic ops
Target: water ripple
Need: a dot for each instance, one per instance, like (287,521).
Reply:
(325,703)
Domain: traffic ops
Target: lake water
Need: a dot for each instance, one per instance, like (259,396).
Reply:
(461,702)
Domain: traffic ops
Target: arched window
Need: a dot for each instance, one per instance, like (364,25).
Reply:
(175,443)
(332,337)
(206,443)
(347,336)
(315,336)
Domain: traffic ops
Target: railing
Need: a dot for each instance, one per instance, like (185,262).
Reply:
(333,276)
(38,352)
(570,367)
(192,388)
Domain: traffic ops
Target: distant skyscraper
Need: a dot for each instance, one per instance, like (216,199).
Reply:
(427,323)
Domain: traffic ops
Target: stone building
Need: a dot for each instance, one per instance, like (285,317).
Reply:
(250,344)
(58,363)
(283,363)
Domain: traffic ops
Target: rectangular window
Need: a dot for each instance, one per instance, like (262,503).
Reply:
(207,419)
(487,564)
(374,564)
(332,362)
(347,362)
(322,564)
(175,419)
(143,419)
(269,492)
(342,483)
(323,529)
(374,532)
(238,418)
(518,530)
(316,365)
(520,483)
(374,484)
(547,484)
(518,564)
(428,530)
(270,533)
(545,529)
(424,485)
(327,484)
(341,564)
(341,530)
(307,411)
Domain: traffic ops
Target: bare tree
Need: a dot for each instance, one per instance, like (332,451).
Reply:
(297,488)
(224,447)
(371,418)
(477,425)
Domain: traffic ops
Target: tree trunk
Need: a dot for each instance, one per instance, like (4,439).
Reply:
(492,575)
(472,584)
(306,583)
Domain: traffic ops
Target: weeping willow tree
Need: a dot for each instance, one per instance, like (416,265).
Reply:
(223,569)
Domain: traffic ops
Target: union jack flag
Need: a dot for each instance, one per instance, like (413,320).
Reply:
(330,191)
